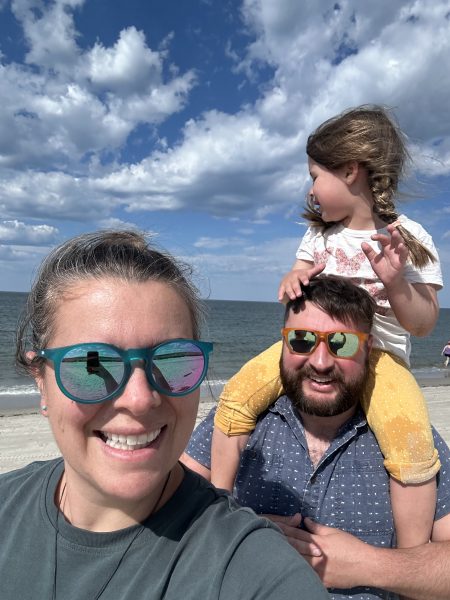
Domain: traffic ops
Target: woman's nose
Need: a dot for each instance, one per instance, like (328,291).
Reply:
(138,395)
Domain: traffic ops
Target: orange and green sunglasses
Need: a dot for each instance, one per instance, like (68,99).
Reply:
(341,344)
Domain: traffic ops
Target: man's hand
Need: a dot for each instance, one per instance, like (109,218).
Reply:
(336,556)
(343,556)
(298,538)
(390,262)
(290,284)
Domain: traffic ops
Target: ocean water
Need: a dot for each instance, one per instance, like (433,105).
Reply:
(239,331)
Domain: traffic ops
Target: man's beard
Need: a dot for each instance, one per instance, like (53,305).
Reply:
(349,393)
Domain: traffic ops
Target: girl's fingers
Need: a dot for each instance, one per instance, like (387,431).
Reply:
(296,287)
(384,240)
(368,251)
(317,269)
(290,287)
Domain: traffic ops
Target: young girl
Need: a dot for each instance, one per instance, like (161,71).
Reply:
(355,161)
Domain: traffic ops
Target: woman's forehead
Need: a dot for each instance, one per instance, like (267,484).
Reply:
(111,306)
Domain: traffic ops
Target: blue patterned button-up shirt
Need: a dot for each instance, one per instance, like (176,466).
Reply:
(348,489)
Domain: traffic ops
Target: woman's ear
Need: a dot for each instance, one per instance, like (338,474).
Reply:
(36,372)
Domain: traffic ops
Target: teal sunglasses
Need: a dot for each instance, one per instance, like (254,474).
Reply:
(95,372)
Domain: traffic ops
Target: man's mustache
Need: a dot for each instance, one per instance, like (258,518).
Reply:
(309,372)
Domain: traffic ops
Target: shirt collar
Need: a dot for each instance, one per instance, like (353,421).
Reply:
(283,407)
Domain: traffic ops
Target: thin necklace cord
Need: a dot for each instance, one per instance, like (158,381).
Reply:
(131,542)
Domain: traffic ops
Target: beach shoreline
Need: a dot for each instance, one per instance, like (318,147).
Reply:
(17,404)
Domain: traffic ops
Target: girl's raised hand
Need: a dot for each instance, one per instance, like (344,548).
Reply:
(389,263)
(290,284)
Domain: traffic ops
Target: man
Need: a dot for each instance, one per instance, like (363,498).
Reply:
(312,458)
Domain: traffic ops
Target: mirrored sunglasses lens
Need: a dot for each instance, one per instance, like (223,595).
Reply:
(178,367)
(343,344)
(301,341)
(91,372)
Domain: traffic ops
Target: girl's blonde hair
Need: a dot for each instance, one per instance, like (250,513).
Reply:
(368,135)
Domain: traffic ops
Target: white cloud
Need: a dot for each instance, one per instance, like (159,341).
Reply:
(68,103)
(271,257)
(212,243)
(49,31)
(52,195)
(127,67)
(224,164)
(17,232)
(252,273)
(114,223)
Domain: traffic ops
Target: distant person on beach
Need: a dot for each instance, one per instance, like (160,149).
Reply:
(314,465)
(356,160)
(111,336)
(446,352)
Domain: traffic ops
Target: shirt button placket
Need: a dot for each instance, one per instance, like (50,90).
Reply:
(311,496)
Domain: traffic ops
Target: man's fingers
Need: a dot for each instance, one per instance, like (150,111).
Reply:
(316,528)
(305,548)
(299,539)
(290,520)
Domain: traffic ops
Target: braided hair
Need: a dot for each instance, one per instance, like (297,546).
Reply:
(368,135)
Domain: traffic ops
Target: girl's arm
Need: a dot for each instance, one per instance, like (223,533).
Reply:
(301,273)
(415,305)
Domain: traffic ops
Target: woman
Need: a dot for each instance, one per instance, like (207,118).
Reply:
(114,349)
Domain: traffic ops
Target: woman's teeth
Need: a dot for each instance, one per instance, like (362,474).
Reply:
(129,442)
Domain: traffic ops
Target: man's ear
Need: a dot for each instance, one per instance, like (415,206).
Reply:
(369,343)
(39,379)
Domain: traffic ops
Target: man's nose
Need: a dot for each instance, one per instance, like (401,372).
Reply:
(320,358)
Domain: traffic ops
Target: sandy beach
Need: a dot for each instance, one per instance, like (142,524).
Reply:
(25,435)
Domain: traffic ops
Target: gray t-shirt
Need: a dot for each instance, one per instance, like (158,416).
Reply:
(200,544)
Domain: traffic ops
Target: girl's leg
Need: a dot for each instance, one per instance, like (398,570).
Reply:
(248,394)
(397,413)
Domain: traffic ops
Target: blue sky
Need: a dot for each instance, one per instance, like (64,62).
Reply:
(188,118)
